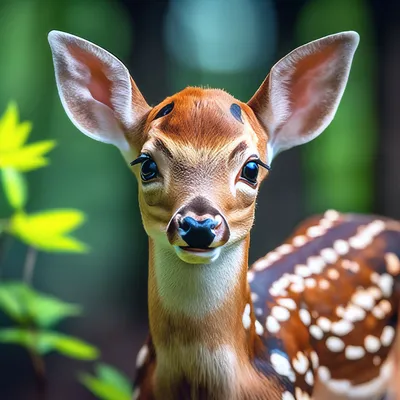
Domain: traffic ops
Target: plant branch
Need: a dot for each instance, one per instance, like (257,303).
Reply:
(40,374)
(29,265)
(5,241)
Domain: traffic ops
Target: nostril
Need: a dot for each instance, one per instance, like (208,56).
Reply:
(197,234)
(184,224)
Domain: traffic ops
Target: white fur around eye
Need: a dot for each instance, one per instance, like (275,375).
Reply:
(246,189)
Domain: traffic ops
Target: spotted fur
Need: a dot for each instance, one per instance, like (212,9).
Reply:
(311,327)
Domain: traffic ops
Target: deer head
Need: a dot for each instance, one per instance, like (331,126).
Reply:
(200,155)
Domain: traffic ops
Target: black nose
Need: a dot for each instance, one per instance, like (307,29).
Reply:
(197,234)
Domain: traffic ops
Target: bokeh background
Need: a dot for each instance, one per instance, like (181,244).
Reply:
(167,45)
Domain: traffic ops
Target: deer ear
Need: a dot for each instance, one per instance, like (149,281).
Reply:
(300,96)
(96,90)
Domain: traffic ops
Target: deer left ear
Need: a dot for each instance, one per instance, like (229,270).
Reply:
(300,96)
(96,90)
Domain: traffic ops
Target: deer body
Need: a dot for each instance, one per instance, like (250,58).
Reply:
(279,331)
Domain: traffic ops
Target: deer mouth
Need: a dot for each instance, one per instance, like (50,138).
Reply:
(196,250)
(192,255)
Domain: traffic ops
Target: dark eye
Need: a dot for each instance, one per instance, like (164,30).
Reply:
(250,172)
(148,170)
(165,110)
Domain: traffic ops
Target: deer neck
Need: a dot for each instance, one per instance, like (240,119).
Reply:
(196,322)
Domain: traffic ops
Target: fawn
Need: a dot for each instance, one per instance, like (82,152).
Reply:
(315,317)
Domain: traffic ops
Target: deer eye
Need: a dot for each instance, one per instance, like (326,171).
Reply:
(148,170)
(250,172)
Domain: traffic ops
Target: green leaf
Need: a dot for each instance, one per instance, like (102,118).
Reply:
(112,376)
(14,298)
(14,187)
(104,390)
(28,157)
(66,345)
(13,134)
(24,304)
(44,342)
(48,230)
(46,311)
(19,336)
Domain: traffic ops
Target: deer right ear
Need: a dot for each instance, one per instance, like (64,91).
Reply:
(96,90)
(300,96)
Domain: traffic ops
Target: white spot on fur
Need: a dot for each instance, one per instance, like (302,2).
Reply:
(392,263)
(329,255)
(332,215)
(385,306)
(272,325)
(376,360)
(254,296)
(334,344)
(354,313)
(374,292)
(363,299)
(302,270)
(316,332)
(314,359)
(290,304)
(378,313)
(310,283)
(316,264)
(333,274)
(280,313)
(284,249)
(287,396)
(354,352)
(300,363)
(324,374)
(281,364)
(372,344)
(305,317)
(341,327)
(309,378)
(340,311)
(246,320)
(142,356)
(385,283)
(315,231)
(324,284)
(341,247)
(387,336)
(324,323)
(299,241)
(259,328)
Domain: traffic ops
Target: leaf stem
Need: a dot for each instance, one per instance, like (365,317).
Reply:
(4,247)
(40,374)
(29,265)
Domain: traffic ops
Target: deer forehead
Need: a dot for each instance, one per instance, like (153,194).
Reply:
(203,121)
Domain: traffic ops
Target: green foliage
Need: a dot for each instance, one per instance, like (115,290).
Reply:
(14,186)
(35,313)
(25,305)
(43,342)
(14,152)
(109,384)
(47,230)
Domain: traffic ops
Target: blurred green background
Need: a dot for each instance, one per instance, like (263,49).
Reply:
(168,45)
